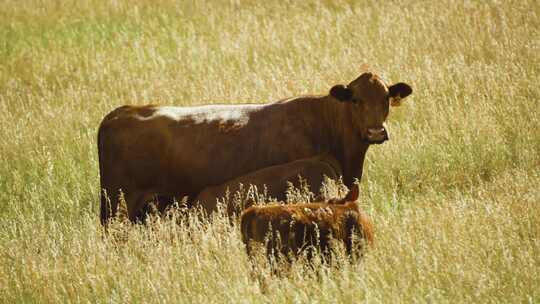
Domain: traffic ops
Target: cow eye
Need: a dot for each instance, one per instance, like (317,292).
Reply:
(357,101)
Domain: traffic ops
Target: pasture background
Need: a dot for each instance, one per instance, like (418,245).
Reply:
(454,195)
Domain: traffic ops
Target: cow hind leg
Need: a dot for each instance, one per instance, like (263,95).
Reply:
(109,205)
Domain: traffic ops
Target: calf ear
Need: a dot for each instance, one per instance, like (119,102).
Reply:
(341,93)
(353,193)
(397,92)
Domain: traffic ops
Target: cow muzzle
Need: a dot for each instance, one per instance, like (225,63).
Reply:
(377,135)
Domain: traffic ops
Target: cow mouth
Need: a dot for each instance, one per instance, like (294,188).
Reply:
(376,142)
(377,135)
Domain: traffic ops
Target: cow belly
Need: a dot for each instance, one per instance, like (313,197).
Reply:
(222,158)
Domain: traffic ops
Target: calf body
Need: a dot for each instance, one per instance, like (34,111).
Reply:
(291,229)
(275,180)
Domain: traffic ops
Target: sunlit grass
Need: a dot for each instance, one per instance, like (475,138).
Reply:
(453,195)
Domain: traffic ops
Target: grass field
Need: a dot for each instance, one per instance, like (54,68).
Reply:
(454,195)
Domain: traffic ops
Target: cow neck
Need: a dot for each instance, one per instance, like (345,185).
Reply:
(335,119)
(323,122)
(329,125)
(337,136)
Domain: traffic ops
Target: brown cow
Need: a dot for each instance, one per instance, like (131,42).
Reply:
(149,151)
(288,230)
(275,179)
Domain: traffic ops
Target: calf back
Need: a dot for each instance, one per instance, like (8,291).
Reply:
(274,179)
(292,229)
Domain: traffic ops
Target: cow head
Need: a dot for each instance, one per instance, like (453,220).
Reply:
(369,101)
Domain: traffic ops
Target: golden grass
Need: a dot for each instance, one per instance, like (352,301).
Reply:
(453,195)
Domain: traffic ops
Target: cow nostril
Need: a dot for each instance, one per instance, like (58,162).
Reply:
(377,134)
(376,131)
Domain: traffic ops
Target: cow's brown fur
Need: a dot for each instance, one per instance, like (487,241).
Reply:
(275,180)
(148,151)
(290,229)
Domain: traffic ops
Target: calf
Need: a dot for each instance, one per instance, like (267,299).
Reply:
(275,179)
(290,230)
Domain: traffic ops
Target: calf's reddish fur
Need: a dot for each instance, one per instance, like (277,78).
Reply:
(292,229)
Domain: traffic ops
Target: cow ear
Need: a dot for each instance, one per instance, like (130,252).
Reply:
(353,193)
(341,93)
(397,92)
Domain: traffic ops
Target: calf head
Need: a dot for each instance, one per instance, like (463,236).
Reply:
(352,196)
(369,101)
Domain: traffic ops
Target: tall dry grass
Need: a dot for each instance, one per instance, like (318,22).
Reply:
(454,194)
